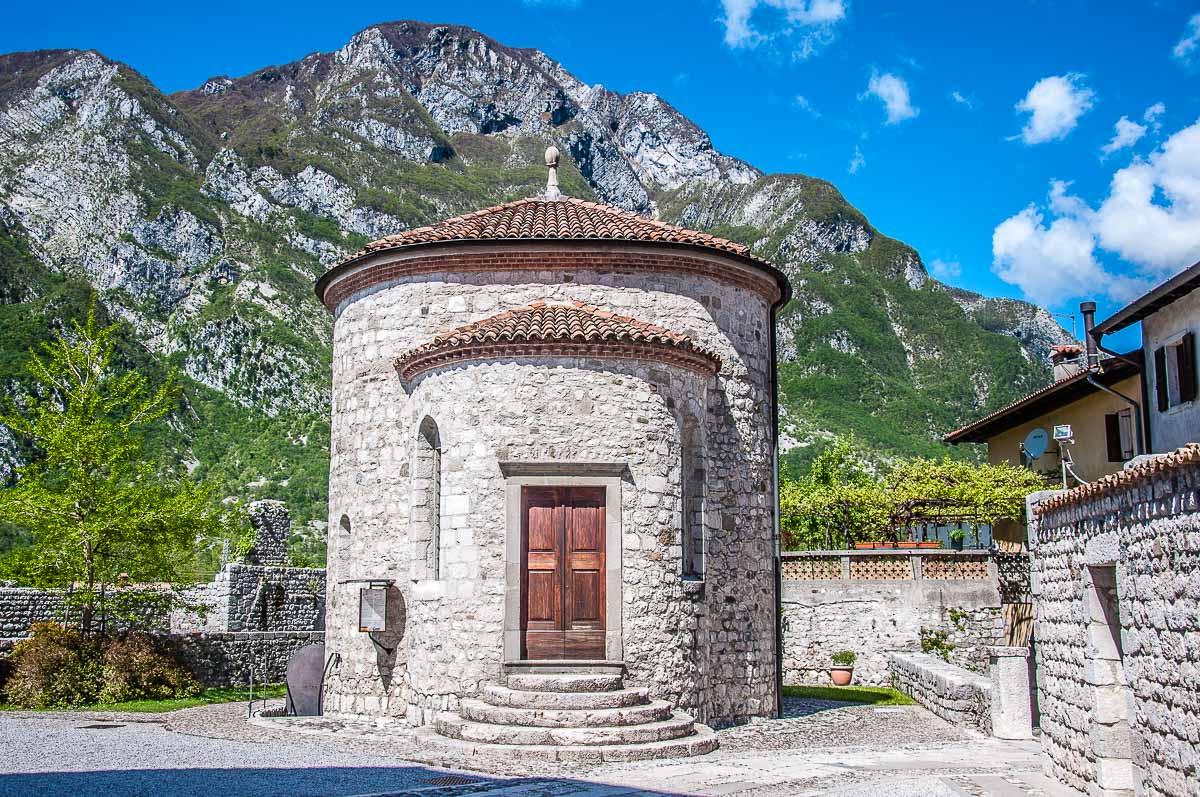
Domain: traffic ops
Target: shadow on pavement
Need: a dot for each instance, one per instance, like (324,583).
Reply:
(309,782)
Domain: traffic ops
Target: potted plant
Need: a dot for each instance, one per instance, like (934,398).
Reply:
(956,538)
(843,667)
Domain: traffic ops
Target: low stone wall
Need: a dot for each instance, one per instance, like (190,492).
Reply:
(874,604)
(954,694)
(21,607)
(228,659)
(1117,591)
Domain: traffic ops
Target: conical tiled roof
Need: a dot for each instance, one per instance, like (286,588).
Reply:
(551,219)
(575,329)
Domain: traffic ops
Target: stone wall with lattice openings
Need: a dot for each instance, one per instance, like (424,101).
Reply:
(876,602)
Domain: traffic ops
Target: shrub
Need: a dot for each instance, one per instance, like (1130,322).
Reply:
(136,668)
(936,642)
(844,658)
(56,667)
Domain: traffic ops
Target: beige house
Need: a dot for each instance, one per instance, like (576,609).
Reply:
(1103,427)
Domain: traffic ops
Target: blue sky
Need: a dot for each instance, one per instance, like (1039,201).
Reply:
(976,134)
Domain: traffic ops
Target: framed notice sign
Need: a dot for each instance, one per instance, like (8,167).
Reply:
(372,609)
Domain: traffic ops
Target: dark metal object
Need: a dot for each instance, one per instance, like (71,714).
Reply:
(305,674)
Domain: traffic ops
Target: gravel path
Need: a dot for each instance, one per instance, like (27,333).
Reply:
(820,749)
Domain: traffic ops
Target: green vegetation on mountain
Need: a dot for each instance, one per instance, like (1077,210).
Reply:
(202,219)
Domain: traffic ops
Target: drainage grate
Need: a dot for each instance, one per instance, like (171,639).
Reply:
(101,726)
(451,780)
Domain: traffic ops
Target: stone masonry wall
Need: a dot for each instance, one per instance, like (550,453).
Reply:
(21,607)
(874,618)
(1120,686)
(711,650)
(222,659)
(954,694)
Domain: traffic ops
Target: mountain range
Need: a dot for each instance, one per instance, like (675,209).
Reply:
(202,218)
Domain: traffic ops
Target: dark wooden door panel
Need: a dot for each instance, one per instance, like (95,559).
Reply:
(562,572)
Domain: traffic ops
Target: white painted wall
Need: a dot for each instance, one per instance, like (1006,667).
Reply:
(1180,424)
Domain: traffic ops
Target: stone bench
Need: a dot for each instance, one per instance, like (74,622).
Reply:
(956,695)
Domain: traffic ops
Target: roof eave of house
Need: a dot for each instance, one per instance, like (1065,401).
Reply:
(1178,286)
(991,425)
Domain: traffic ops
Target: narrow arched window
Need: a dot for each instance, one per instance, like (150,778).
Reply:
(692,476)
(425,517)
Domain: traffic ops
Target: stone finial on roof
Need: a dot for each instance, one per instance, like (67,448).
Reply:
(552,191)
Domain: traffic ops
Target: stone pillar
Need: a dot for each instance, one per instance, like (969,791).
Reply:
(272,526)
(1012,714)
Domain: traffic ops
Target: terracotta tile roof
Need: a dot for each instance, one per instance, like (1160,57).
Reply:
(1152,466)
(542,328)
(550,219)
(1111,371)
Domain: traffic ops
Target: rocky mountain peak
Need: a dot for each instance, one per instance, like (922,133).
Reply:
(203,218)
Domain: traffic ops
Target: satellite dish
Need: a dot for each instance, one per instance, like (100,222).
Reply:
(1036,443)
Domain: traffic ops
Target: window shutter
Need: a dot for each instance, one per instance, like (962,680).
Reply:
(1186,353)
(1112,435)
(1160,378)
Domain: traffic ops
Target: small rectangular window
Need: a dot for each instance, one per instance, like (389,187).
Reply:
(1175,373)
(1118,434)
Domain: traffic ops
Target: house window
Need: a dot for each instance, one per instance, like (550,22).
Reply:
(1118,430)
(1175,372)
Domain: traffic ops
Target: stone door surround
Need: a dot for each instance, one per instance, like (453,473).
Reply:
(563,474)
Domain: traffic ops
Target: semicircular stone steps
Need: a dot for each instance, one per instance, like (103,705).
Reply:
(569,714)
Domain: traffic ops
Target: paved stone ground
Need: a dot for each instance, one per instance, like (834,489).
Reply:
(820,749)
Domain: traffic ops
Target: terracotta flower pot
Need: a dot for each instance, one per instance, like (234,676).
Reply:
(841,676)
(906,545)
(860,546)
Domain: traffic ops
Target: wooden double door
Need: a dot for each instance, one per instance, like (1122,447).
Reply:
(562,573)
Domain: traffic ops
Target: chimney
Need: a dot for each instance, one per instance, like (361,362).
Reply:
(1088,311)
(1066,359)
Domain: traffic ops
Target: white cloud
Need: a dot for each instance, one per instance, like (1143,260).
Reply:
(1152,113)
(961,99)
(1185,50)
(857,162)
(893,91)
(1151,216)
(1055,105)
(1127,133)
(804,25)
(804,103)
(1150,219)
(1049,263)
(946,270)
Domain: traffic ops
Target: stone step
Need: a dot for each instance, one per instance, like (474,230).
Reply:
(455,727)
(498,695)
(565,682)
(479,711)
(558,666)
(438,749)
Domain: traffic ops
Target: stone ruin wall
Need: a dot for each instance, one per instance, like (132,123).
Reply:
(1150,529)
(612,416)
(255,616)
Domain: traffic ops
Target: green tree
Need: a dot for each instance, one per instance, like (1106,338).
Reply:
(837,502)
(98,510)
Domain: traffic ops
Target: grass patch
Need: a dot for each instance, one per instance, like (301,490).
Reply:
(216,694)
(873,695)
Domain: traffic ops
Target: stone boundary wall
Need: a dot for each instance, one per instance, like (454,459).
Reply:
(21,607)
(1117,590)
(873,616)
(954,694)
(228,659)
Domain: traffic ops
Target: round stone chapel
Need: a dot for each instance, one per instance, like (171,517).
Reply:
(552,481)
